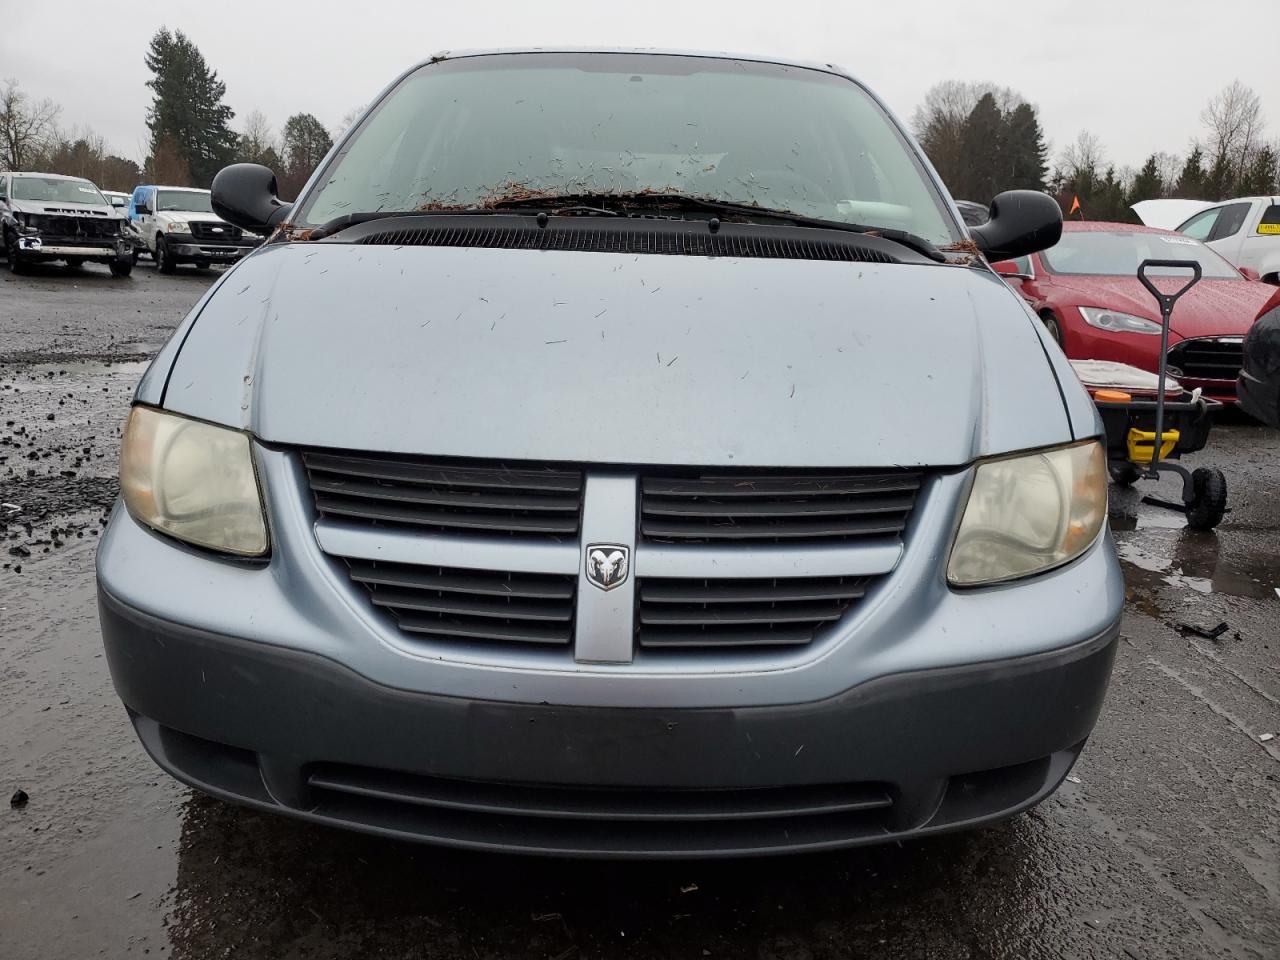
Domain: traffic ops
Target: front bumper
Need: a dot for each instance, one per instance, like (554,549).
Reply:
(897,757)
(925,709)
(197,250)
(55,248)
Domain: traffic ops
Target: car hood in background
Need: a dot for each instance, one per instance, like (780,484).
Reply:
(190,216)
(613,358)
(1212,308)
(1168,214)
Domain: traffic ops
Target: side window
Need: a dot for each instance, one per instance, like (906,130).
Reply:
(1201,225)
(1269,225)
(1231,220)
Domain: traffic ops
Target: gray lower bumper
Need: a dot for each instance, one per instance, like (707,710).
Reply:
(208,251)
(896,757)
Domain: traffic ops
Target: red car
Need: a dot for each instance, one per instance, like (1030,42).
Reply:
(1086,289)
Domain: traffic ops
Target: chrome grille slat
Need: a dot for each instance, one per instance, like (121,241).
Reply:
(454,604)
(490,499)
(801,505)
(711,613)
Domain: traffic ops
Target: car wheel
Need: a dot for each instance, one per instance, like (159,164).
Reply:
(202,266)
(136,255)
(1051,324)
(121,268)
(16,263)
(74,263)
(164,263)
(1208,503)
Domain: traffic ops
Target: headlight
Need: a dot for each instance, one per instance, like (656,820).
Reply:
(193,481)
(1029,513)
(179,227)
(1116,322)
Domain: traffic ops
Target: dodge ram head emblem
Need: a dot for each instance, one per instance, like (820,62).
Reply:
(607,564)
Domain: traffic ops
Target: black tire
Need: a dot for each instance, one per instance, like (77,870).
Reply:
(164,263)
(136,254)
(1209,500)
(120,268)
(1053,326)
(75,263)
(16,263)
(202,266)
(1125,474)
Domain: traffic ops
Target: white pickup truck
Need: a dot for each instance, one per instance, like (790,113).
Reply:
(1246,231)
(177,225)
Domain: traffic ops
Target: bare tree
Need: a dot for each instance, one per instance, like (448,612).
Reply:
(348,120)
(939,123)
(1169,165)
(27,128)
(1236,126)
(1083,157)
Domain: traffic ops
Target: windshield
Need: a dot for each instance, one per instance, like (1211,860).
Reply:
(191,201)
(56,190)
(1118,254)
(467,132)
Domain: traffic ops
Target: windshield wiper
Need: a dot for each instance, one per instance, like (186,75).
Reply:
(680,201)
(619,204)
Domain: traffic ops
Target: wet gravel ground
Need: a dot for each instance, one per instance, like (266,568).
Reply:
(1165,842)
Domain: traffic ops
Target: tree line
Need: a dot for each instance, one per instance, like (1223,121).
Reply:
(190,136)
(983,139)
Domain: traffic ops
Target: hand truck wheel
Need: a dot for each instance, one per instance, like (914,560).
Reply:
(1208,503)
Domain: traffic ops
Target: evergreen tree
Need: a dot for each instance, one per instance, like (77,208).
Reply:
(1027,156)
(306,141)
(1147,184)
(984,151)
(186,110)
(1263,175)
(1190,185)
(1220,181)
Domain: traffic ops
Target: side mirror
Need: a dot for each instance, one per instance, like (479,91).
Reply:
(1249,273)
(1022,222)
(142,209)
(1009,270)
(245,194)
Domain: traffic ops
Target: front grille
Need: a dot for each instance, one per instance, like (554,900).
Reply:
(443,603)
(76,228)
(488,499)
(714,614)
(214,232)
(814,505)
(671,238)
(1209,358)
(599,819)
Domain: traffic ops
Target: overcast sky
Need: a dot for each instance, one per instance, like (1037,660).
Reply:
(1136,78)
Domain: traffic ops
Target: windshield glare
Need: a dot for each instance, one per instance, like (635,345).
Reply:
(1119,253)
(55,190)
(467,132)
(189,201)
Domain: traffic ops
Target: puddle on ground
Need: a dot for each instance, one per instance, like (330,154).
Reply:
(1195,561)
(54,370)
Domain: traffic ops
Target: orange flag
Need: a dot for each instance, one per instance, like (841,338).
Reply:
(1075,205)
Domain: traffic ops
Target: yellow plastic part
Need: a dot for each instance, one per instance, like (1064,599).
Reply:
(1142,444)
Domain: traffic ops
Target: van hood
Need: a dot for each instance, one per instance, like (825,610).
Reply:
(190,216)
(611,358)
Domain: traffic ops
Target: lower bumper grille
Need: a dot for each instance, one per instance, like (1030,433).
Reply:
(1209,359)
(713,614)
(441,603)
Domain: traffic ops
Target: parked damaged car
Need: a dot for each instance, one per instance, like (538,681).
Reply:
(1087,292)
(589,467)
(49,216)
(1259,385)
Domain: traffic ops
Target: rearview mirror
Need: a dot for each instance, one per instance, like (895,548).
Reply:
(1022,222)
(245,194)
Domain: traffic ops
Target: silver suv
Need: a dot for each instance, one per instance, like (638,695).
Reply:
(616,454)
